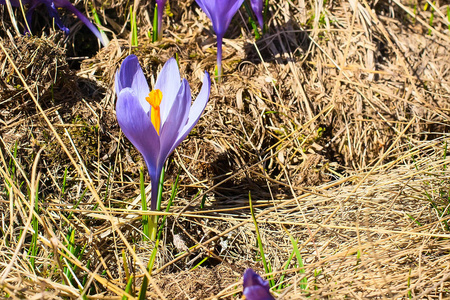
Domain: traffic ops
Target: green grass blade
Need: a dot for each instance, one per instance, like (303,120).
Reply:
(96,17)
(439,211)
(143,290)
(265,13)
(448,16)
(12,162)
(155,24)
(77,203)
(99,23)
(252,20)
(177,58)
(125,265)
(134,37)
(34,222)
(304,280)
(202,204)
(85,278)
(128,288)
(445,145)
(431,16)
(72,249)
(316,274)
(63,189)
(200,263)
(79,255)
(160,189)
(286,266)
(412,218)
(258,237)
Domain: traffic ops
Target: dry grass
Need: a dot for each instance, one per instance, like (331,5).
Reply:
(336,121)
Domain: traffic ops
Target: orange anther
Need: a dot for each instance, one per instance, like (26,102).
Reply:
(154,99)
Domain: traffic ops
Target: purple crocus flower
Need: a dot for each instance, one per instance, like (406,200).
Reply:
(160,5)
(220,12)
(157,121)
(255,288)
(52,7)
(257,6)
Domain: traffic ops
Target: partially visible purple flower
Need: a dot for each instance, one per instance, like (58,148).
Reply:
(157,121)
(255,288)
(220,12)
(52,7)
(160,5)
(257,6)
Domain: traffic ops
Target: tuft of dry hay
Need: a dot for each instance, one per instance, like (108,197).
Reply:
(336,121)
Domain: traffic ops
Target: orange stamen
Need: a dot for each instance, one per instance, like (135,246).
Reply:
(154,99)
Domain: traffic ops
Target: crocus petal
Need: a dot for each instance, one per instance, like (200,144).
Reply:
(202,4)
(137,127)
(67,5)
(255,288)
(220,12)
(15,3)
(117,85)
(53,12)
(131,76)
(196,111)
(52,8)
(257,6)
(176,120)
(29,15)
(161,4)
(169,82)
(160,12)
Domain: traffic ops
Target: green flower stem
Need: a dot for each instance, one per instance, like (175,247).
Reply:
(151,262)
(153,222)
(145,222)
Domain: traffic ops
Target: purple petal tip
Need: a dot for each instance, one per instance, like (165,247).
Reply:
(256,288)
